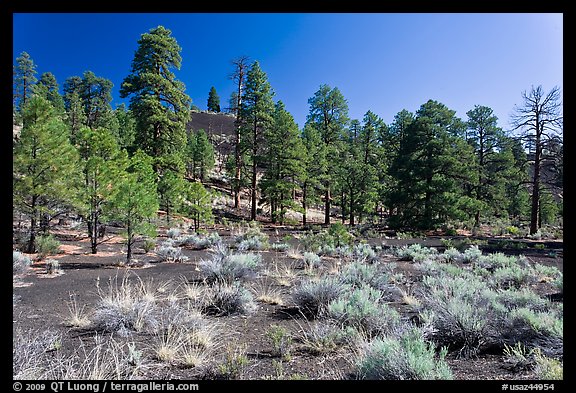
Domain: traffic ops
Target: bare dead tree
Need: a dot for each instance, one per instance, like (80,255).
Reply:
(540,121)
(238,76)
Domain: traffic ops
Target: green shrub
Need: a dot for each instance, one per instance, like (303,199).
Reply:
(471,254)
(363,310)
(235,363)
(358,274)
(340,234)
(415,252)
(148,245)
(457,309)
(47,245)
(513,277)
(281,341)
(512,230)
(407,357)
(364,253)
(548,368)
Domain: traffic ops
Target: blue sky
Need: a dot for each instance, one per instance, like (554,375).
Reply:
(383,62)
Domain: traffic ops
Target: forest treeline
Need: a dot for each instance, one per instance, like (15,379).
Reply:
(424,169)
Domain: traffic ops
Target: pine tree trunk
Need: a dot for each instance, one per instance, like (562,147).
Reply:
(130,241)
(304,187)
(351,208)
(94,233)
(253,209)
(536,184)
(327,205)
(32,239)
(44,223)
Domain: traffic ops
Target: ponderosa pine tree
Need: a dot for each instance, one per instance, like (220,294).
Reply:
(48,88)
(24,80)
(45,164)
(96,95)
(171,183)
(257,113)
(87,103)
(126,128)
(494,162)
(103,165)
(197,204)
(241,67)
(200,156)
(315,164)
(283,160)
(540,120)
(329,115)
(431,170)
(75,118)
(357,171)
(135,200)
(157,99)
(213,100)
(390,138)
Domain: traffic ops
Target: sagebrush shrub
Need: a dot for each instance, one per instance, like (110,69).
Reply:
(535,329)
(124,307)
(404,357)
(168,253)
(173,233)
(363,310)
(228,298)
(280,247)
(513,277)
(472,254)
(415,252)
(53,266)
(253,234)
(494,261)
(200,242)
(230,267)
(365,253)
(311,259)
(313,297)
(20,262)
(451,255)
(457,309)
(359,274)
